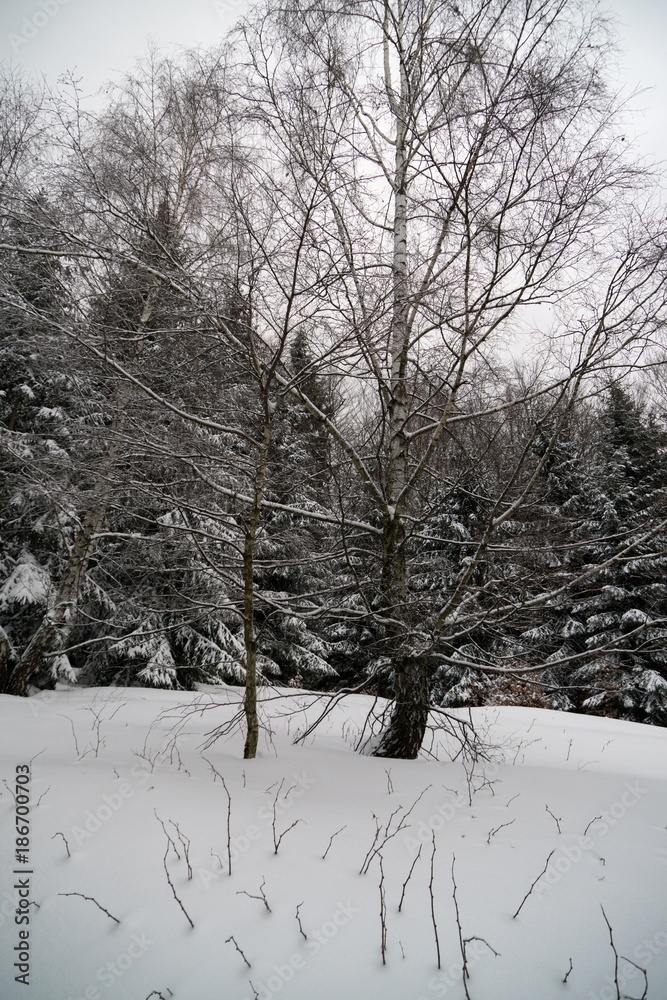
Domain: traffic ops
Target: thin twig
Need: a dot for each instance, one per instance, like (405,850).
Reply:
(554,818)
(534,884)
(388,836)
(229,828)
(408,878)
(76,742)
(591,824)
(90,898)
(643,971)
(476,937)
(171,885)
(430,889)
(233,940)
(378,830)
(492,833)
(464,971)
(167,835)
(217,774)
(291,827)
(277,840)
(383,915)
(298,919)
(59,834)
(331,840)
(262,898)
(186,847)
(613,948)
(464,942)
(567,974)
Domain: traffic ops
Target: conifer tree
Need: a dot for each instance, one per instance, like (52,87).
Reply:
(608,533)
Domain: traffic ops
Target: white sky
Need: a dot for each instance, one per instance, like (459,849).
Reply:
(101,37)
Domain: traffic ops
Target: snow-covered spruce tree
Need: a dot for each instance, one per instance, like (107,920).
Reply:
(610,631)
(94,486)
(136,211)
(162,618)
(494,457)
(563,499)
(445,542)
(88,183)
(295,564)
(23,389)
(51,406)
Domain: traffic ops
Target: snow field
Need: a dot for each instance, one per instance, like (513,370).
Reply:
(118,774)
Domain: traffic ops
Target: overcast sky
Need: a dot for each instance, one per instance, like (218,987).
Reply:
(98,38)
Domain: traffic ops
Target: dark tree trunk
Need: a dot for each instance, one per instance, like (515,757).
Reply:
(250,640)
(58,616)
(5,658)
(405,734)
(249,636)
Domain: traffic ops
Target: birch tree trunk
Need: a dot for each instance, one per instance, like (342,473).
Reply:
(58,616)
(405,733)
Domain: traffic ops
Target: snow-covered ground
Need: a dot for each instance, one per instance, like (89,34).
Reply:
(112,775)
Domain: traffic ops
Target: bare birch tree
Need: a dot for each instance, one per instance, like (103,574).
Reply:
(478,203)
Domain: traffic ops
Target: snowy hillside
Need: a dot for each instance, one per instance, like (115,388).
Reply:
(127,809)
